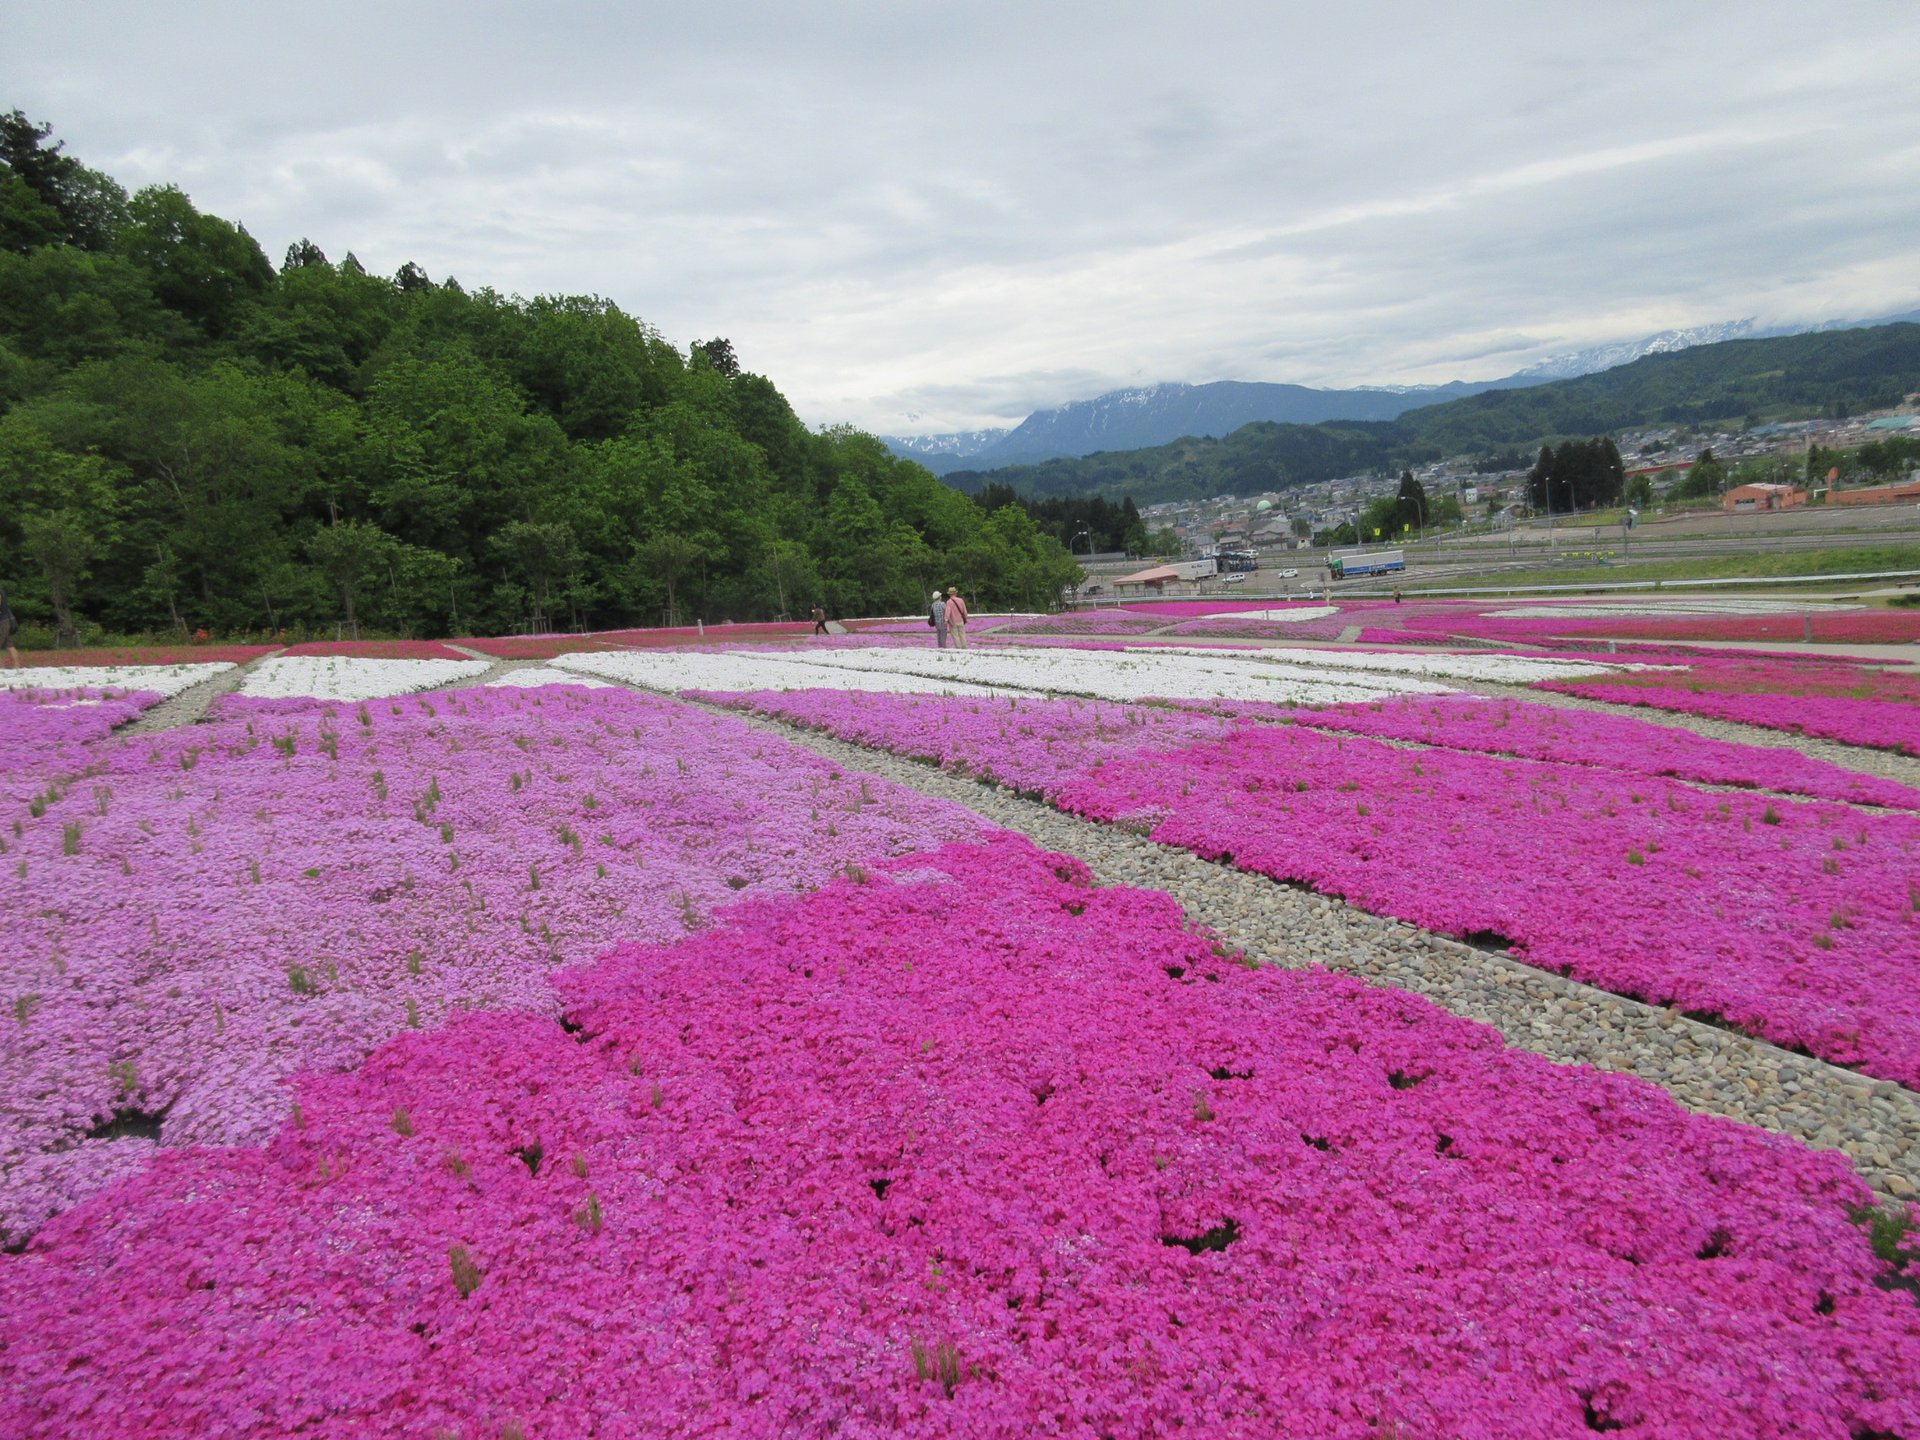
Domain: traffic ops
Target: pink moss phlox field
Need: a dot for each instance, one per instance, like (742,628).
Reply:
(1610,742)
(147,655)
(966,1149)
(229,903)
(1793,920)
(379,649)
(1849,703)
(46,735)
(1859,627)
(1088,622)
(1324,627)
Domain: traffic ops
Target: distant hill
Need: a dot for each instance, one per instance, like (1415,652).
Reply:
(1158,414)
(1256,457)
(1730,383)
(1829,372)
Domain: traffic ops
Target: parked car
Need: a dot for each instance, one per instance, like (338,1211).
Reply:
(1235,579)
(1289,574)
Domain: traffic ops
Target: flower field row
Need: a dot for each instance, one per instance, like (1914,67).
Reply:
(683,670)
(223,906)
(1472,665)
(349,677)
(1132,674)
(965,1148)
(1793,920)
(1610,742)
(46,735)
(1854,704)
(377,649)
(1089,622)
(159,681)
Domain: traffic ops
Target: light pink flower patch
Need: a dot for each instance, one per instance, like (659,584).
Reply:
(226,904)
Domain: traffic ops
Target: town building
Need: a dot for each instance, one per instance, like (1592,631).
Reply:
(1763,496)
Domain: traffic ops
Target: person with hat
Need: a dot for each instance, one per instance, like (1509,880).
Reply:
(937,618)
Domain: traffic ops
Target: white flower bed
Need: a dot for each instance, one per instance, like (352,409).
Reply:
(1507,669)
(535,675)
(675,670)
(1130,674)
(161,680)
(1657,609)
(349,677)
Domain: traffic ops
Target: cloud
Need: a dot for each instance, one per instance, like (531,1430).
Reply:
(964,212)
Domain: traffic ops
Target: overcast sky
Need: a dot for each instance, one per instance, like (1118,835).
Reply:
(926,217)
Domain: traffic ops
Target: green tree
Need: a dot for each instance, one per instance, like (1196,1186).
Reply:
(541,554)
(64,545)
(668,557)
(200,265)
(348,553)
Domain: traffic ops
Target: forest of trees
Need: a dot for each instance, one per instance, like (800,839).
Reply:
(1577,475)
(193,439)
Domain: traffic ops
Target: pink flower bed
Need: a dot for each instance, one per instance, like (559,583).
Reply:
(1878,627)
(1849,703)
(1088,622)
(379,649)
(1792,920)
(47,735)
(1609,742)
(148,655)
(966,1150)
(1326,627)
(224,905)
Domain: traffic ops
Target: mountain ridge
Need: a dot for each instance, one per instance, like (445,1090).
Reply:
(1141,417)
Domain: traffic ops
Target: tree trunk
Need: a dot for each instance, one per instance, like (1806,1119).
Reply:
(66,633)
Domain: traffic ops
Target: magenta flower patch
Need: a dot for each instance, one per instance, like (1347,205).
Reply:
(966,1149)
(1795,921)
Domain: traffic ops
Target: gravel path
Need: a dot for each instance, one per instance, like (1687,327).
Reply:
(1706,1069)
(190,705)
(1887,764)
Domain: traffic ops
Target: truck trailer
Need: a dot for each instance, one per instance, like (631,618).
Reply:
(1381,562)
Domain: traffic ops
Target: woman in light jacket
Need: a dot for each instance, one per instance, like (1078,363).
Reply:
(956,618)
(937,617)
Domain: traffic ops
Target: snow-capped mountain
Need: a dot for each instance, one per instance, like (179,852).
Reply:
(960,442)
(1150,415)
(1624,352)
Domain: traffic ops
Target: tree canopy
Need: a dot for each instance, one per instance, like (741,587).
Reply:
(190,438)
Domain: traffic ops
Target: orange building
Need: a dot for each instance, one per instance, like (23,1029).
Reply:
(1763,497)
(1896,494)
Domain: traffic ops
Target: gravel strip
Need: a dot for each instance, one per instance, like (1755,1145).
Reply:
(1707,1069)
(1887,764)
(190,705)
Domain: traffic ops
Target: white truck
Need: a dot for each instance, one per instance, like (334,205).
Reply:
(1195,569)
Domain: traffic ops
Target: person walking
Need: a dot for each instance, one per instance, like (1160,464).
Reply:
(937,618)
(956,618)
(9,627)
(819,621)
